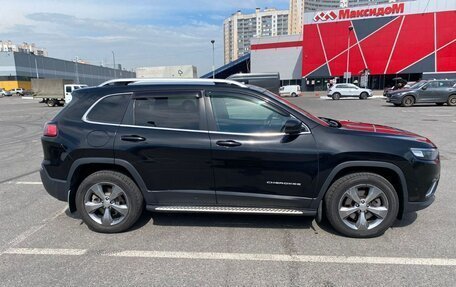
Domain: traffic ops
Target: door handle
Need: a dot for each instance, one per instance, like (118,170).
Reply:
(133,138)
(228,143)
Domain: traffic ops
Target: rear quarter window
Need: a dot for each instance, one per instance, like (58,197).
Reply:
(110,109)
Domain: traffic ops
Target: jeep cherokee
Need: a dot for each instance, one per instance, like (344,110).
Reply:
(222,146)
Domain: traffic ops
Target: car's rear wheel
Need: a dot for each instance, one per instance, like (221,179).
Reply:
(51,103)
(363,96)
(452,100)
(408,101)
(361,205)
(294,95)
(336,96)
(109,202)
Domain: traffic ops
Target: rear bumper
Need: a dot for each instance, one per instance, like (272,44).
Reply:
(55,187)
(415,206)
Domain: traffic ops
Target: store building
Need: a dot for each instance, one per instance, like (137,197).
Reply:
(414,40)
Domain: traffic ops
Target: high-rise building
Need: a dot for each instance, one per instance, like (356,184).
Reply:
(295,19)
(318,5)
(240,28)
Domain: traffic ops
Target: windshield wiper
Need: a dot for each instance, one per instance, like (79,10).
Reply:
(332,123)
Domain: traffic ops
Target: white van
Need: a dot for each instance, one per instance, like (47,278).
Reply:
(69,89)
(290,90)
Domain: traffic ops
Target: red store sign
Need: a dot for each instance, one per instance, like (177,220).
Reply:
(397,8)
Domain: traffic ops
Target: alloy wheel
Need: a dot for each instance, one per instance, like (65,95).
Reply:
(363,207)
(106,204)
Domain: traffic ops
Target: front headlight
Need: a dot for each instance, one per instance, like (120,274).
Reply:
(425,153)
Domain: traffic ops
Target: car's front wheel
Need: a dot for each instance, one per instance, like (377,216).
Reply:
(109,201)
(363,96)
(408,101)
(361,205)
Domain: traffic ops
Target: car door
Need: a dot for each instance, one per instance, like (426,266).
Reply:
(445,89)
(353,90)
(164,136)
(255,163)
(428,92)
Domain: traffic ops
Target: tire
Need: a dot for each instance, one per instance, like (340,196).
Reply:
(51,103)
(294,95)
(359,221)
(336,96)
(128,202)
(408,101)
(452,100)
(363,96)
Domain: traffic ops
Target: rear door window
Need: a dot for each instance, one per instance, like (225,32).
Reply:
(179,110)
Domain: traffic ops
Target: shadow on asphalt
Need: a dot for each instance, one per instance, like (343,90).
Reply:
(240,221)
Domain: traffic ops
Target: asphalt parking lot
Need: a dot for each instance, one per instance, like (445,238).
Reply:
(42,245)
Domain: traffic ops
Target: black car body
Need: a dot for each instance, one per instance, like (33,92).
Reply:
(432,91)
(220,146)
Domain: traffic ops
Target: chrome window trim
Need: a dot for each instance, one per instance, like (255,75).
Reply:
(84,117)
(86,120)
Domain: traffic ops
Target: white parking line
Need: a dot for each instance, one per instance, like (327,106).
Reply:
(29,182)
(289,258)
(241,257)
(45,251)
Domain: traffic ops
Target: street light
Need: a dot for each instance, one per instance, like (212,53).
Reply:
(213,59)
(114,62)
(348,53)
(77,70)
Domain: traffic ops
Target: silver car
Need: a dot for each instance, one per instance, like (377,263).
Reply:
(348,90)
(4,92)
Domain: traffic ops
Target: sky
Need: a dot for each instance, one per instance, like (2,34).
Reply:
(141,33)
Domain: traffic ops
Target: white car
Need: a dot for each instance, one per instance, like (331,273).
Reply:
(17,92)
(348,90)
(290,90)
(69,89)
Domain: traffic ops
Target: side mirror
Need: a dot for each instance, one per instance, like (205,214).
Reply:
(424,88)
(292,127)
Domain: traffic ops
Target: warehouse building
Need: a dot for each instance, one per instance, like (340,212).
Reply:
(17,69)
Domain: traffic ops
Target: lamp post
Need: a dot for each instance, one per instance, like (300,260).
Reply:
(213,59)
(77,71)
(114,62)
(348,54)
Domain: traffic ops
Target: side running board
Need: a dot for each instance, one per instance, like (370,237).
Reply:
(225,209)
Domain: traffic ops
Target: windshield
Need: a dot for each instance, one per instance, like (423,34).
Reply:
(418,85)
(295,107)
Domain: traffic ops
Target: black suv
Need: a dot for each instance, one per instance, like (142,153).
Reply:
(222,146)
(433,91)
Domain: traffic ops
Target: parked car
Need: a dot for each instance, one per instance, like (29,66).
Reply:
(348,90)
(426,91)
(5,93)
(222,146)
(17,92)
(290,90)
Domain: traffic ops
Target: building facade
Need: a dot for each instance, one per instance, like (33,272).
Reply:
(295,18)
(17,69)
(8,46)
(318,5)
(183,72)
(240,28)
(413,40)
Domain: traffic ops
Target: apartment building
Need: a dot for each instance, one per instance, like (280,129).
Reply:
(240,28)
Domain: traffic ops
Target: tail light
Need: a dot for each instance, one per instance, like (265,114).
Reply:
(50,130)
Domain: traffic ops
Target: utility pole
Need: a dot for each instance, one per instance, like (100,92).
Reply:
(36,69)
(114,63)
(213,59)
(77,71)
(348,53)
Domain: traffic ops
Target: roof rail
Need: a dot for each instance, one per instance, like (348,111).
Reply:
(145,81)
